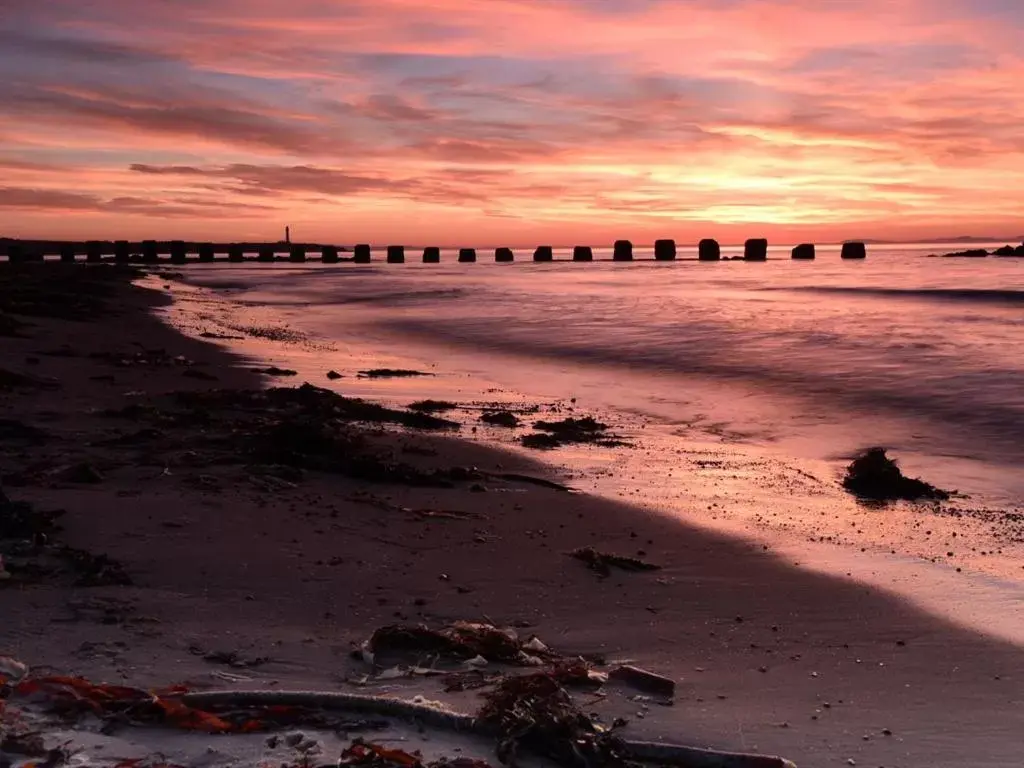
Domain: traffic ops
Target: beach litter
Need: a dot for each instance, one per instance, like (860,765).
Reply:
(461,641)
(874,476)
(390,373)
(602,562)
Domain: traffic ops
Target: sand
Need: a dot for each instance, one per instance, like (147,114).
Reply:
(768,657)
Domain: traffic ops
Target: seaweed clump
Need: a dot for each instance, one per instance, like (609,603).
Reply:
(874,476)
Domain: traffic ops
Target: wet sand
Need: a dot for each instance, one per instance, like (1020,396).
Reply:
(768,657)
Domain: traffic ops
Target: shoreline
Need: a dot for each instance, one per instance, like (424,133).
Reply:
(718,613)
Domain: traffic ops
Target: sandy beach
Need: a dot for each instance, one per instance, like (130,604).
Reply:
(108,414)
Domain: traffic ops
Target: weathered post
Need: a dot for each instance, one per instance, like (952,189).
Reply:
(94,251)
(122,251)
(622,251)
(205,251)
(804,251)
(431,255)
(709,250)
(328,254)
(467,255)
(67,252)
(236,252)
(582,253)
(179,253)
(755,249)
(544,253)
(504,255)
(362,254)
(665,250)
(150,254)
(15,253)
(296,253)
(396,254)
(854,251)
(33,256)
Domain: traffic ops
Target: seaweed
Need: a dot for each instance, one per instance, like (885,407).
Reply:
(876,477)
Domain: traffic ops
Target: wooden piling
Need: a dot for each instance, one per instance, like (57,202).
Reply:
(544,253)
(150,253)
(582,253)
(804,251)
(396,254)
(467,255)
(67,252)
(362,254)
(236,253)
(504,255)
(296,253)
(431,255)
(122,251)
(94,251)
(328,255)
(854,251)
(665,250)
(206,252)
(179,253)
(709,250)
(755,249)
(15,253)
(622,251)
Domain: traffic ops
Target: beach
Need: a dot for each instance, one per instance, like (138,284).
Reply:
(774,649)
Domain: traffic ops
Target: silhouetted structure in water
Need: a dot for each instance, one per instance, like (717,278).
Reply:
(178,252)
(122,251)
(329,254)
(297,253)
(150,252)
(362,254)
(267,253)
(623,251)
(236,252)
(504,255)
(755,249)
(206,252)
(709,250)
(15,253)
(543,253)
(396,254)
(431,255)
(582,253)
(467,255)
(664,250)
(67,252)
(854,251)
(804,251)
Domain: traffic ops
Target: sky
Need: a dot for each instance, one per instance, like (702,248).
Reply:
(513,122)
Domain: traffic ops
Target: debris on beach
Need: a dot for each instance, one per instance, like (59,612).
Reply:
(874,476)
(334,375)
(500,419)
(460,641)
(602,562)
(432,406)
(275,371)
(643,680)
(552,434)
(390,373)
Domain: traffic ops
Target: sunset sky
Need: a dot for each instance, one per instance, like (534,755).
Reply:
(511,121)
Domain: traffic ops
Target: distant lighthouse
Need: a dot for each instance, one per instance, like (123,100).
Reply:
(287,234)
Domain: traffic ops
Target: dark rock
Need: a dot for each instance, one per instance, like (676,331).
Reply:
(432,406)
(876,477)
(974,253)
(206,252)
(297,253)
(178,252)
(390,373)
(94,250)
(329,255)
(582,253)
(122,250)
(362,254)
(467,255)
(334,375)
(396,254)
(709,250)
(236,253)
(500,419)
(275,371)
(198,373)
(266,254)
(623,251)
(755,249)
(543,253)
(67,253)
(504,255)
(84,474)
(1006,250)
(431,255)
(854,250)
(804,251)
(665,250)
